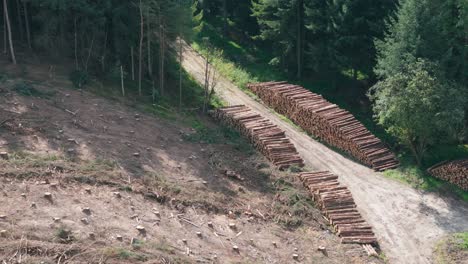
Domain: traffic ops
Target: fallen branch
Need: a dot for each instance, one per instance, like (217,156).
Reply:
(4,121)
(70,112)
(188,221)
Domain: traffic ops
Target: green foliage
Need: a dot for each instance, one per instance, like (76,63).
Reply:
(79,78)
(3,77)
(417,177)
(462,239)
(292,206)
(27,89)
(64,235)
(218,135)
(425,29)
(124,254)
(325,36)
(419,108)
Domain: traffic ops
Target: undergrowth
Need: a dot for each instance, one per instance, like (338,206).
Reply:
(291,206)
(27,89)
(218,135)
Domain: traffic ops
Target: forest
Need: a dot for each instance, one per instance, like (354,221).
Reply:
(234,131)
(398,66)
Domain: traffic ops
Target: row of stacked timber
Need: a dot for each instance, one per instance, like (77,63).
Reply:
(338,207)
(269,139)
(455,172)
(326,121)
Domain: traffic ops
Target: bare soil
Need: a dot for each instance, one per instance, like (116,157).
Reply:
(110,168)
(407,222)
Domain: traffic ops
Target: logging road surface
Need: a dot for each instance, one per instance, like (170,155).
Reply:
(406,221)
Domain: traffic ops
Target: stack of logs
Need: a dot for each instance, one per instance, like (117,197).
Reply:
(337,205)
(455,172)
(269,139)
(327,121)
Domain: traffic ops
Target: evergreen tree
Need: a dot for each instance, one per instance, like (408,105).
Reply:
(419,106)
(421,64)
(355,25)
(282,22)
(425,29)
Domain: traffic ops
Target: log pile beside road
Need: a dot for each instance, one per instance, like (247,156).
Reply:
(455,172)
(269,139)
(338,206)
(326,121)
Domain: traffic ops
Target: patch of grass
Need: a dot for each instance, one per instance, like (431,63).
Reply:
(218,135)
(64,235)
(411,174)
(24,165)
(158,181)
(292,206)
(124,254)
(453,249)
(3,77)
(21,158)
(98,165)
(79,78)
(27,89)
(461,240)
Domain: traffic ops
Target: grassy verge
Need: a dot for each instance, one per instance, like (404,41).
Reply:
(417,177)
(453,249)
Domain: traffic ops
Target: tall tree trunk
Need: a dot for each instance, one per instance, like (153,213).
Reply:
(153,93)
(5,49)
(299,39)
(225,22)
(122,80)
(141,49)
(89,53)
(26,21)
(133,63)
(148,34)
(207,84)
(180,72)
(10,39)
(104,51)
(163,56)
(161,53)
(76,45)
(20,20)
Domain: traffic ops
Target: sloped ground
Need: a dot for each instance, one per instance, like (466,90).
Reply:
(407,222)
(131,169)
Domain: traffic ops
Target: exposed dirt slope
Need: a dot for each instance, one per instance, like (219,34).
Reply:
(407,222)
(65,141)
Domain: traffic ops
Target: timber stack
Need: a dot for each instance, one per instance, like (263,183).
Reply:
(268,138)
(326,121)
(338,207)
(455,172)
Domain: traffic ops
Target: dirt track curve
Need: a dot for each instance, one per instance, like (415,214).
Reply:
(407,222)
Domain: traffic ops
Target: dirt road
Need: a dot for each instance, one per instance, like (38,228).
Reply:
(407,222)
